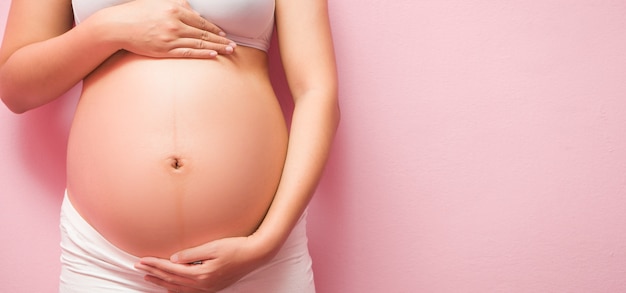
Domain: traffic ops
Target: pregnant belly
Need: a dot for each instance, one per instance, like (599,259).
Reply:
(169,154)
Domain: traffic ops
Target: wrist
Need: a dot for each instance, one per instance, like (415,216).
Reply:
(265,244)
(105,31)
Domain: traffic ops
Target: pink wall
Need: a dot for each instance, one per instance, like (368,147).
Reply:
(482,149)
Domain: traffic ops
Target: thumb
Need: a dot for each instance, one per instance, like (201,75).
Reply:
(190,255)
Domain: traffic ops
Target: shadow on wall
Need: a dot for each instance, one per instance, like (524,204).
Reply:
(43,141)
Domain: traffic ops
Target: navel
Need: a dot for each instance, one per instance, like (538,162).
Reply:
(176,163)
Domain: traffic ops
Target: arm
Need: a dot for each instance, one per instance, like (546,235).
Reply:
(43,55)
(304,35)
(34,50)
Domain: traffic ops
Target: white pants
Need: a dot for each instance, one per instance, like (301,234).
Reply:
(91,264)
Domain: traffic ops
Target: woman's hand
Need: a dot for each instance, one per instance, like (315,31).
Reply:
(219,264)
(165,28)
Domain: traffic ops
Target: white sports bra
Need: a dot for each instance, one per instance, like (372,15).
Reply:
(246,22)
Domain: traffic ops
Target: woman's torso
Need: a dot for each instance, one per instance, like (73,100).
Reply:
(166,154)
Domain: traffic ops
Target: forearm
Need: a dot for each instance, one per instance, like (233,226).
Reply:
(313,127)
(40,72)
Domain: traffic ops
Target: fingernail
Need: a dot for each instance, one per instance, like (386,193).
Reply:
(213,54)
(229,49)
(174,257)
(223,34)
(233,44)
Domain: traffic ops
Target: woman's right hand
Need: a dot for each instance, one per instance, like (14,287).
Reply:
(166,28)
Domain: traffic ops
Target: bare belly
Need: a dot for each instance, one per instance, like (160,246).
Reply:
(167,154)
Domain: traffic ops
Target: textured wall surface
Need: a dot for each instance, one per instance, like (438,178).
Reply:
(482,149)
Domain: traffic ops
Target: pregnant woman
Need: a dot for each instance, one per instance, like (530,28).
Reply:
(181,173)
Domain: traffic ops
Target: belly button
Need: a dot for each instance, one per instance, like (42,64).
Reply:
(176,163)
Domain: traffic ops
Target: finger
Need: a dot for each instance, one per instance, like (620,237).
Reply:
(164,277)
(166,280)
(193,53)
(195,48)
(171,288)
(199,39)
(164,268)
(196,33)
(187,46)
(199,253)
(193,19)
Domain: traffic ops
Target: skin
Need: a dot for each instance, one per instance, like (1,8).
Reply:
(200,135)
(164,28)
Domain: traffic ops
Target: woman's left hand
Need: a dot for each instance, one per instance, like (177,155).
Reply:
(219,264)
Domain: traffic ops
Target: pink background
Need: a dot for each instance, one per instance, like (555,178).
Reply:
(482,149)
